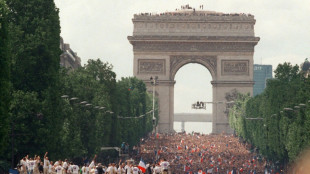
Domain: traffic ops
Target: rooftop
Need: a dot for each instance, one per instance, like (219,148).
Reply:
(189,12)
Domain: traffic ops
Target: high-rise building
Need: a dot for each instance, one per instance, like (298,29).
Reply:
(260,76)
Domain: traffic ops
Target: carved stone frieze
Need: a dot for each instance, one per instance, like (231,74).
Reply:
(194,38)
(235,67)
(177,61)
(193,47)
(153,66)
(204,28)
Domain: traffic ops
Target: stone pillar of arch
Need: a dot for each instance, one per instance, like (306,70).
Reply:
(182,126)
(224,44)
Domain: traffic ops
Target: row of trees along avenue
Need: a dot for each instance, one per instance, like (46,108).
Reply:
(34,116)
(281,126)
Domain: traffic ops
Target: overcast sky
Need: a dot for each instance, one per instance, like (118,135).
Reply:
(99,29)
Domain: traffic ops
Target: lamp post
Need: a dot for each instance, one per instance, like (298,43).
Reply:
(153,83)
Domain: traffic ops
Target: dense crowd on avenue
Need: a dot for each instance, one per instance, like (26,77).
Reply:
(198,153)
(168,153)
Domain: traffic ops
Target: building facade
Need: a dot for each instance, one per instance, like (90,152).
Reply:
(260,76)
(68,58)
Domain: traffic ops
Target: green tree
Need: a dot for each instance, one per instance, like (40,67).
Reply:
(34,48)
(27,123)
(284,108)
(5,83)
(134,101)
(89,126)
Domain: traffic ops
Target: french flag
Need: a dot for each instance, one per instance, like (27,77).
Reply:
(142,166)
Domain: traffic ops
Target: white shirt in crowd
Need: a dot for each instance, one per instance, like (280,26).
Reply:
(85,170)
(75,169)
(92,164)
(46,163)
(164,165)
(121,170)
(69,170)
(58,169)
(24,165)
(50,168)
(31,164)
(135,170)
(65,165)
(56,163)
(129,169)
(157,169)
(93,170)
(111,170)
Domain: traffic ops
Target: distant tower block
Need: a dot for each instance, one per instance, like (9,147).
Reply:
(223,43)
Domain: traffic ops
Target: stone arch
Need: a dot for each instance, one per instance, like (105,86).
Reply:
(227,52)
(176,62)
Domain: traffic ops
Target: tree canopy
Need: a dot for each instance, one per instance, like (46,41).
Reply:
(34,116)
(283,131)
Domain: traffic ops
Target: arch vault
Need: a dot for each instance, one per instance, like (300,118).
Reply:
(223,43)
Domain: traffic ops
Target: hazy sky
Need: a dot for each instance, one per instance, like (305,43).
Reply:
(99,29)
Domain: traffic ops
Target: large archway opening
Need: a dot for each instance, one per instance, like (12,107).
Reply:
(192,85)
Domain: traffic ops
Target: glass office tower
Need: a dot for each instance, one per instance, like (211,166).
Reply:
(261,74)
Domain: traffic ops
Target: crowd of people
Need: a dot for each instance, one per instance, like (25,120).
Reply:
(36,166)
(187,10)
(167,153)
(193,14)
(199,153)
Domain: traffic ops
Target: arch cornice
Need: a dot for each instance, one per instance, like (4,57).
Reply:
(177,61)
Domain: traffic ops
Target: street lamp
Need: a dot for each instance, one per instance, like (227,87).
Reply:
(153,83)
(73,98)
(258,118)
(64,96)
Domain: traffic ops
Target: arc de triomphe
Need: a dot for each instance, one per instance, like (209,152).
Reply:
(223,43)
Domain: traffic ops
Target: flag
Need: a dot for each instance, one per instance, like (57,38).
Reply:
(142,166)
(209,171)
(241,170)
(187,168)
